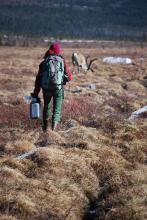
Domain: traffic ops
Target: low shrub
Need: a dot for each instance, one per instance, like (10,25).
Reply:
(16,115)
(80,109)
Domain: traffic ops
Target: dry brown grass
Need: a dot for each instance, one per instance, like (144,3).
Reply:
(97,159)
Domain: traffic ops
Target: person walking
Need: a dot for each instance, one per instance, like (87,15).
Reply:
(53,74)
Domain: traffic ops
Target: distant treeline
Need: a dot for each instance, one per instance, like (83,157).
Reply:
(23,41)
(107,19)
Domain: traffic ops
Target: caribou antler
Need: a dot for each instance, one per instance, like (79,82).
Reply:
(90,62)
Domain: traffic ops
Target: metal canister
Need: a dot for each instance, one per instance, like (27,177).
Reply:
(34,109)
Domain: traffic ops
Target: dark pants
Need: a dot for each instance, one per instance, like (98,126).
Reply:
(57,96)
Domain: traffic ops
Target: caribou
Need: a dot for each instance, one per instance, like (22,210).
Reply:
(82,62)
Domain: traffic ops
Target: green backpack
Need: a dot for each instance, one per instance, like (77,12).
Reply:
(53,73)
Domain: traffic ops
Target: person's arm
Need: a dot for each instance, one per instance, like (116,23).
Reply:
(67,73)
(37,83)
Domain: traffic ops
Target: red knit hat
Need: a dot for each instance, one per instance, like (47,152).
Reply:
(55,48)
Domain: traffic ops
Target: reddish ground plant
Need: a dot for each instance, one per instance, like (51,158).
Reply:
(16,115)
(80,109)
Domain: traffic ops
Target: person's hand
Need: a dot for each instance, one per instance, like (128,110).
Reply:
(65,80)
(36,97)
(38,100)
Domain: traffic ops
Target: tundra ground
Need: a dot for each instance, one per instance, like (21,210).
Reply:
(94,167)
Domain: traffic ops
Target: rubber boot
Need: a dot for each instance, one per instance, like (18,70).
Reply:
(54,125)
(45,125)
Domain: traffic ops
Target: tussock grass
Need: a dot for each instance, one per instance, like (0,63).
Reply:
(18,147)
(14,174)
(20,205)
(8,217)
